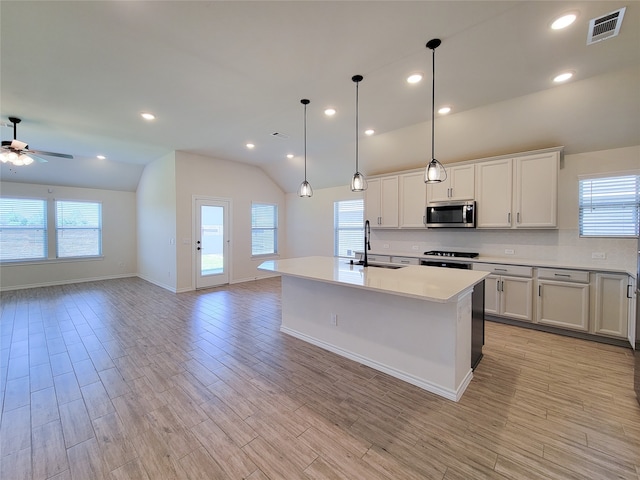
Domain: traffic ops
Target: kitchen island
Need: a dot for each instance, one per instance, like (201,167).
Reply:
(413,323)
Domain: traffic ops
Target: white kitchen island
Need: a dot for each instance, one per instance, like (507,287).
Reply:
(413,323)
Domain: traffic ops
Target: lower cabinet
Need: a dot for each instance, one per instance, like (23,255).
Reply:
(508,291)
(563,298)
(612,304)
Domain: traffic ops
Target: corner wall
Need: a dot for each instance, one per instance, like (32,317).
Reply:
(156,226)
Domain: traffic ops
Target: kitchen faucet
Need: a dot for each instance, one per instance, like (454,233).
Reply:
(367,244)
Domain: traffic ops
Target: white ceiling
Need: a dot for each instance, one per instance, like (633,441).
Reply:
(220,74)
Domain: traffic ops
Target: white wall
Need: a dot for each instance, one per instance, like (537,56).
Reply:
(118,239)
(311,233)
(242,184)
(156,227)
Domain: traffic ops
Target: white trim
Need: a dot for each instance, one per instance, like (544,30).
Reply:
(447,393)
(162,285)
(623,173)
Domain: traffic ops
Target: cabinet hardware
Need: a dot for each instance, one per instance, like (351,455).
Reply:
(565,275)
(500,269)
(539,290)
(502,286)
(509,217)
(518,217)
(629,291)
(404,261)
(424,219)
(498,285)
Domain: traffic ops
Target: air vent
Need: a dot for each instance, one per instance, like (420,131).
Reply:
(280,135)
(605,27)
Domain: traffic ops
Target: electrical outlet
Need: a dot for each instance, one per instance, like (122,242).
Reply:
(415,247)
(599,255)
(509,251)
(334,319)
(386,245)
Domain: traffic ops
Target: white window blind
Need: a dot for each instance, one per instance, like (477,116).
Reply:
(264,229)
(78,229)
(609,206)
(348,221)
(23,229)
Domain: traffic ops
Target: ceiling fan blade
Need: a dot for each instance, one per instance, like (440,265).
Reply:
(37,158)
(49,154)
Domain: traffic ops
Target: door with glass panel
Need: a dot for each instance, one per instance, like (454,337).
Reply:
(211,242)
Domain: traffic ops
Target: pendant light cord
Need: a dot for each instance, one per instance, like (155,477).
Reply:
(357,85)
(305,142)
(433,103)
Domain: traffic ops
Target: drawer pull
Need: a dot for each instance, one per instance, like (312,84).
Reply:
(500,270)
(404,261)
(565,275)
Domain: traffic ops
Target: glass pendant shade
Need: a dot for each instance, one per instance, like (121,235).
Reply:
(305,189)
(435,172)
(358,182)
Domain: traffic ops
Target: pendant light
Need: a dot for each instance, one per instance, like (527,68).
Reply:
(305,189)
(358,182)
(435,172)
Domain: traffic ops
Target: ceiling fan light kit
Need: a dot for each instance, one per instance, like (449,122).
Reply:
(19,154)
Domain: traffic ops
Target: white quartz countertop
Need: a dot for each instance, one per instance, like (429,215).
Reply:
(594,266)
(425,283)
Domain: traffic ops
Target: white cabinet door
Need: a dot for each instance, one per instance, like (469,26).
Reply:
(372,197)
(492,294)
(413,193)
(611,305)
(389,202)
(563,304)
(493,194)
(536,191)
(517,298)
(459,185)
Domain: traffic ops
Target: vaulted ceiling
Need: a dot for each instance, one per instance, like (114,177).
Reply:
(218,75)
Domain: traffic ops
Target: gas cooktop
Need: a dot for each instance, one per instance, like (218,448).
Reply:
(440,253)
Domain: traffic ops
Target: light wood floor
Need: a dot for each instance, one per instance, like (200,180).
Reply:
(122,379)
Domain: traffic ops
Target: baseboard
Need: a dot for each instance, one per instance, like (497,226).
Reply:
(67,282)
(252,279)
(454,395)
(162,285)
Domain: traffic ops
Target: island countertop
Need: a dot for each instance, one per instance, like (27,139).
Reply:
(434,284)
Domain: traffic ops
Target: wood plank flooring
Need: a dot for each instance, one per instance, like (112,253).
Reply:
(121,379)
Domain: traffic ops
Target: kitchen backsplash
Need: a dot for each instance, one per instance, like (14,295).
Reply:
(556,245)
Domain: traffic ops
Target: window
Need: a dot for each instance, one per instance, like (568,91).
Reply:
(348,222)
(23,229)
(78,229)
(609,206)
(264,229)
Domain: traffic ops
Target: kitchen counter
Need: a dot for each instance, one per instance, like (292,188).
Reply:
(413,323)
(424,283)
(595,266)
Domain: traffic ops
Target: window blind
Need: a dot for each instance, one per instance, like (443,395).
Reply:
(23,229)
(348,220)
(609,206)
(264,229)
(78,229)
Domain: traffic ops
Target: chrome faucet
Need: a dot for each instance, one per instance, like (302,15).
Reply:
(367,243)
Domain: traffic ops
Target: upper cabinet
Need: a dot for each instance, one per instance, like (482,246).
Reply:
(459,185)
(381,202)
(519,192)
(413,196)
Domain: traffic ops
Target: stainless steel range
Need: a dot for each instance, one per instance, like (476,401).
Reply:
(448,255)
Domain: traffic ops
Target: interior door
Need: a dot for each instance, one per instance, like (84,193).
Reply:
(211,242)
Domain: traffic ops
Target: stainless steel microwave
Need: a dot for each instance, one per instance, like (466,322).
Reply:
(451,215)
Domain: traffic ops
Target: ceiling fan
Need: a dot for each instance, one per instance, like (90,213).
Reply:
(18,153)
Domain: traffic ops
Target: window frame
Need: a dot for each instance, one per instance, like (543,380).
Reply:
(275,227)
(58,229)
(582,206)
(337,229)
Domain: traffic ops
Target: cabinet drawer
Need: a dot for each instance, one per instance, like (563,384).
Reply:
(564,275)
(512,270)
(405,260)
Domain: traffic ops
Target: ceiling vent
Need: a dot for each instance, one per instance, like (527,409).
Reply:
(280,135)
(605,27)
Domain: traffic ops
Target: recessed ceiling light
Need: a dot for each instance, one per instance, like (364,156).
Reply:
(330,112)
(101,157)
(563,77)
(414,78)
(563,21)
(290,155)
(369,131)
(250,146)
(444,110)
(148,116)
